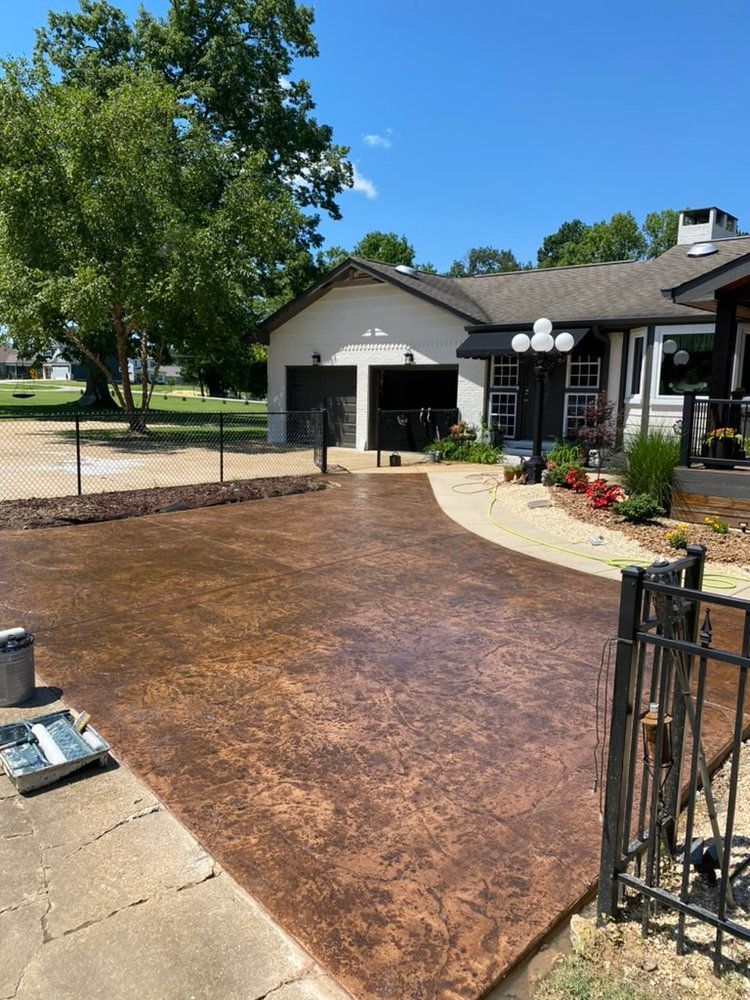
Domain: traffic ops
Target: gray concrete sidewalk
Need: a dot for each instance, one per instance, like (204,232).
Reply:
(104,894)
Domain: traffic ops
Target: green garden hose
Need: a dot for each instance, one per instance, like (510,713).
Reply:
(716,581)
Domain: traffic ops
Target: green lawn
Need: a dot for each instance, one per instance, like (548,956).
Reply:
(66,396)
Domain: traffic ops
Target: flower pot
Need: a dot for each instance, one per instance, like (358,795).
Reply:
(518,473)
(508,475)
(433,457)
(725,449)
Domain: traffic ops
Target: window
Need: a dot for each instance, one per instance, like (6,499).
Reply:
(699,218)
(685,363)
(636,365)
(576,404)
(583,372)
(504,372)
(502,412)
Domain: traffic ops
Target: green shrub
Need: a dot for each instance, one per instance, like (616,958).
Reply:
(638,507)
(564,453)
(651,459)
(466,451)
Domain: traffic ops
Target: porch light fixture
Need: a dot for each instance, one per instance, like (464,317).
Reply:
(316,358)
(409,357)
(541,344)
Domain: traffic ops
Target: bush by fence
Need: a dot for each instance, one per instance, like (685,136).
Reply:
(53,454)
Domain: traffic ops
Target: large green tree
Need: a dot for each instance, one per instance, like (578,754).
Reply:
(484,260)
(120,211)
(660,230)
(227,66)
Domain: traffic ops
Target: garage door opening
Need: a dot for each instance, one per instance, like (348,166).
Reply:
(410,407)
(310,387)
(414,388)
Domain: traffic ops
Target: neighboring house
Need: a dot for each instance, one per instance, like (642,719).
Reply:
(167,374)
(372,335)
(13,367)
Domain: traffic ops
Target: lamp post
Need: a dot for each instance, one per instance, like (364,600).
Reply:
(546,352)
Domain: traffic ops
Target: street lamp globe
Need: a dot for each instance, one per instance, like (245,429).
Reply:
(542,342)
(681,358)
(564,342)
(543,325)
(520,343)
(669,346)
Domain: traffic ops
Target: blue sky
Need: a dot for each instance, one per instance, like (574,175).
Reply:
(497,120)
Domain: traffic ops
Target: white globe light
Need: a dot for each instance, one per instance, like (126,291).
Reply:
(543,325)
(681,358)
(520,343)
(542,342)
(564,342)
(669,346)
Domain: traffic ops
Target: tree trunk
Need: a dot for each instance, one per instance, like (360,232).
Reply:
(136,418)
(97,394)
(214,384)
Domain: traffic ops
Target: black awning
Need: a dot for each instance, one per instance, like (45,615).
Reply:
(484,345)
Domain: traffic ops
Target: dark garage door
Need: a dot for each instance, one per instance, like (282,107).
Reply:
(308,388)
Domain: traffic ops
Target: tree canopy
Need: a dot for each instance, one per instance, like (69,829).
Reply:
(484,260)
(154,181)
(620,238)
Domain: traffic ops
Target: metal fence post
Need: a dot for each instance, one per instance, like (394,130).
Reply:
(78,452)
(221,447)
(324,438)
(631,599)
(686,434)
(680,691)
(377,434)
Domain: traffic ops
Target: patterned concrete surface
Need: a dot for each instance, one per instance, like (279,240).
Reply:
(381,725)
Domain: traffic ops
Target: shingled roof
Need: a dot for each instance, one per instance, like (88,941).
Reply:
(610,294)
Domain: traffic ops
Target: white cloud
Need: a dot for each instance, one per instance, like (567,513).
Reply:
(383,141)
(285,83)
(363,184)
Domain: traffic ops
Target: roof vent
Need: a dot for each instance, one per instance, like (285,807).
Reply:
(405,269)
(701,250)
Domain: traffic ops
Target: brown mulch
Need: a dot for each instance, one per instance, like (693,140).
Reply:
(48,512)
(733,547)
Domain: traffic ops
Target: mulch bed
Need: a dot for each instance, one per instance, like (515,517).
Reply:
(48,512)
(733,547)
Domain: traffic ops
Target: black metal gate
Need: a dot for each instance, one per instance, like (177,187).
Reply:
(657,758)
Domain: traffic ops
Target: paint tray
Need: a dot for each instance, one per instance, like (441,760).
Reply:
(28,769)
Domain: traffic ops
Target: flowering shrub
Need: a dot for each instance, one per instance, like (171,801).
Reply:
(677,538)
(601,495)
(462,431)
(576,479)
(717,525)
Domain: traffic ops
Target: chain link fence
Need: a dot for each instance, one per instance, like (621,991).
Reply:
(406,433)
(53,454)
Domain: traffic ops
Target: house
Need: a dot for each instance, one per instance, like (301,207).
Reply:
(372,336)
(12,366)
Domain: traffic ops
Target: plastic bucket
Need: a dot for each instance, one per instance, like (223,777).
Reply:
(17,681)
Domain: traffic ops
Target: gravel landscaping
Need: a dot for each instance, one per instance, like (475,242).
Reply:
(572,520)
(47,512)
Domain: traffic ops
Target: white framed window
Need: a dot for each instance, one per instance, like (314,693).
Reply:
(584,371)
(504,372)
(502,411)
(576,404)
(685,365)
(636,356)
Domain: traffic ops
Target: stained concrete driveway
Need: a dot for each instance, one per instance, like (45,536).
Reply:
(379,723)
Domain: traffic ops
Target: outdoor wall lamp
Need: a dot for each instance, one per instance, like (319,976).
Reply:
(316,358)
(542,345)
(409,357)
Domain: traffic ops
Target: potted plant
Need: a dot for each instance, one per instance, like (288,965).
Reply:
(508,473)
(496,434)
(517,471)
(462,432)
(724,443)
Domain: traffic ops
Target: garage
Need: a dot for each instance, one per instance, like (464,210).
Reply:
(308,388)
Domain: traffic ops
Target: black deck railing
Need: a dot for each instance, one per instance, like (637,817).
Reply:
(664,667)
(715,432)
